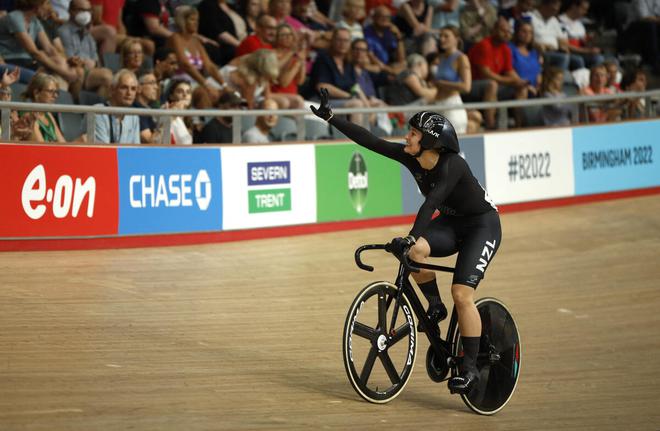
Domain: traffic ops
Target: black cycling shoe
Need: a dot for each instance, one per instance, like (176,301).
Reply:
(464,383)
(436,314)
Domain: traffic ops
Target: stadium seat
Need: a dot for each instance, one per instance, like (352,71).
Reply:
(531,116)
(112,61)
(286,129)
(89,98)
(570,89)
(71,124)
(64,98)
(315,130)
(247,122)
(17,90)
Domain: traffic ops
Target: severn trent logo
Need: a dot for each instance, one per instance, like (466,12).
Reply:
(263,199)
(358,182)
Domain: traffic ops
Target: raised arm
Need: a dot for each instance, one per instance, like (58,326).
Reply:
(360,135)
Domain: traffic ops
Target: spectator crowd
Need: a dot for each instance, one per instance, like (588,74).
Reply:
(277,54)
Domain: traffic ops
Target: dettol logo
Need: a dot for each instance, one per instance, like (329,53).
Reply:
(358,182)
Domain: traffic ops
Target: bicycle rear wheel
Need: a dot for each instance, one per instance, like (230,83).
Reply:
(498,361)
(379,348)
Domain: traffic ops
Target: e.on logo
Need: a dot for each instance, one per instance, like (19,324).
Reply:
(65,198)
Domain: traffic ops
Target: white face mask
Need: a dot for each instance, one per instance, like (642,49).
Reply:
(83,18)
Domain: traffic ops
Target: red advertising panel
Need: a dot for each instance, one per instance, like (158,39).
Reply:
(58,191)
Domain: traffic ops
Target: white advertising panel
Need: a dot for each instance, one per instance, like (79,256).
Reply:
(529,166)
(269,185)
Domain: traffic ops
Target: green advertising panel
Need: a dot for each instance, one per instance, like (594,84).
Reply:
(353,182)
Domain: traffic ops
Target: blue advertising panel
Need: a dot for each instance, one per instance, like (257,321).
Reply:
(472,150)
(169,190)
(616,157)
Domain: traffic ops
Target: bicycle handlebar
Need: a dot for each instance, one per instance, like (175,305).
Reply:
(407,264)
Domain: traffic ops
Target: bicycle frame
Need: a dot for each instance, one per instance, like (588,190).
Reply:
(441,347)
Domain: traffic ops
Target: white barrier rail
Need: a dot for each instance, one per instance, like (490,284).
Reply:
(91,111)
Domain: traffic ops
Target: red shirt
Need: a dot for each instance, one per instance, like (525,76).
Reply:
(496,57)
(111,11)
(250,44)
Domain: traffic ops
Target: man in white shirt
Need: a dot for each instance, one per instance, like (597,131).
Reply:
(119,129)
(583,54)
(549,36)
(259,133)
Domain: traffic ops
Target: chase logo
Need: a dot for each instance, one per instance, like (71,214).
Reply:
(262,199)
(173,190)
(169,190)
(358,182)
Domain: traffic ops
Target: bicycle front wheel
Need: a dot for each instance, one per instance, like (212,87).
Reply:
(498,361)
(379,342)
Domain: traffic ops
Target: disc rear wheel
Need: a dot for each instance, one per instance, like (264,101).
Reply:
(498,361)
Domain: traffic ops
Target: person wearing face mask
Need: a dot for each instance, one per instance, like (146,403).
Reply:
(80,48)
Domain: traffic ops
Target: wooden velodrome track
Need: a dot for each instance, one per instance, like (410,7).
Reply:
(247,335)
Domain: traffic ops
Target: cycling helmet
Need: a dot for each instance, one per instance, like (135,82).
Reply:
(437,132)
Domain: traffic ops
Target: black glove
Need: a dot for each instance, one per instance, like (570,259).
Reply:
(324,110)
(400,246)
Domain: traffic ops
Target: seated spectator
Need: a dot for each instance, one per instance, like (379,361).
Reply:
(108,28)
(353,12)
(147,97)
(194,62)
(179,96)
(21,128)
(219,22)
(521,11)
(251,75)
(558,114)
(414,19)
(119,129)
(604,111)
(43,89)
(104,35)
(291,55)
(411,86)
(307,13)
(492,71)
(550,37)
(281,11)
(452,77)
(385,41)
(165,66)
(23,42)
(263,37)
(477,20)
(251,10)
(525,58)
(260,132)
(132,55)
(147,19)
(613,76)
(81,46)
(446,12)
(220,129)
(367,89)
(634,80)
(583,54)
(333,71)
(643,34)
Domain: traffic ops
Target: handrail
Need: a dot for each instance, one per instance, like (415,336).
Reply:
(92,110)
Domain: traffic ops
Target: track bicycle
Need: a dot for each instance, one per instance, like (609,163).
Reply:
(380,341)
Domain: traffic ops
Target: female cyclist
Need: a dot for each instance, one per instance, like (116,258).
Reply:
(469,223)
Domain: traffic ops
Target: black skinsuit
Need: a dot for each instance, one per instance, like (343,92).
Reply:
(469,223)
